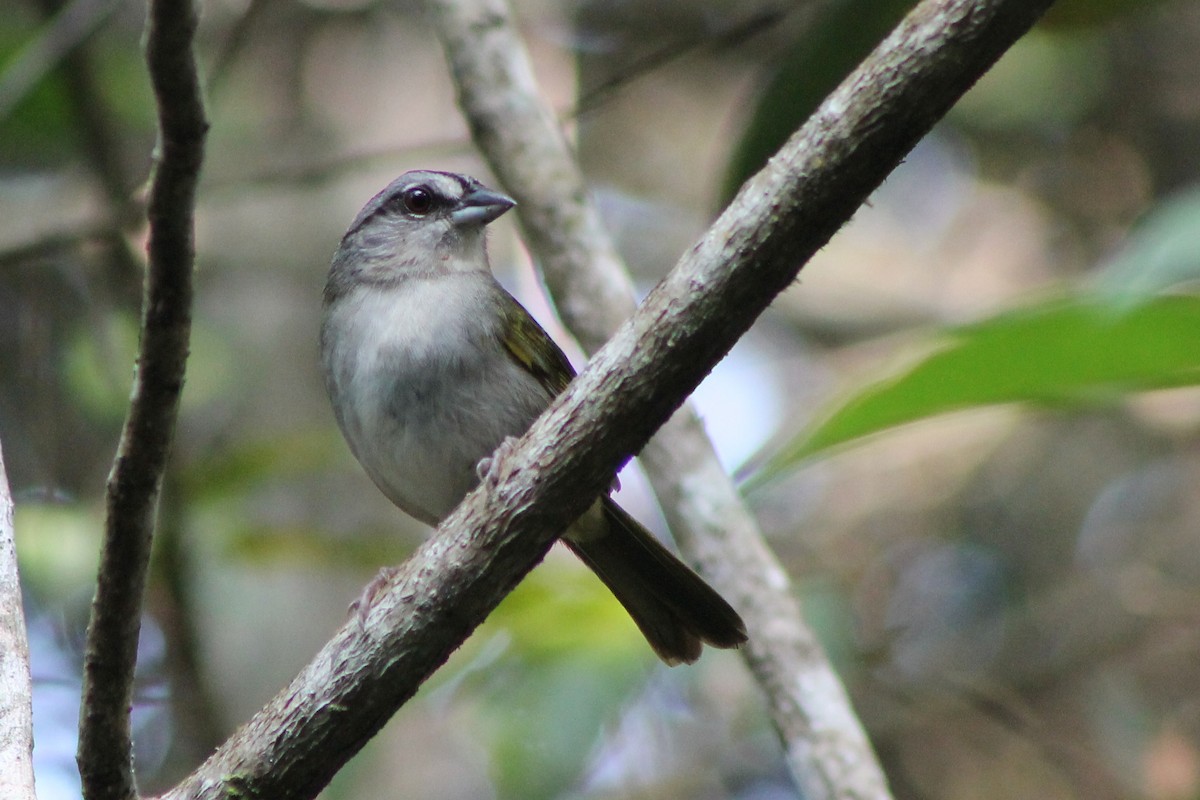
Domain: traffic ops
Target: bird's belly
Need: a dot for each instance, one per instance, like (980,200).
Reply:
(422,439)
(423,396)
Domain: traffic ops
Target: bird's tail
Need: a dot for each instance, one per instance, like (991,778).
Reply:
(675,609)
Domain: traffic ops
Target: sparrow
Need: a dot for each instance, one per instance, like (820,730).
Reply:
(430,365)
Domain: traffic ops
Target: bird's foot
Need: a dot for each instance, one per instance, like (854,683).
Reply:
(488,468)
(361,607)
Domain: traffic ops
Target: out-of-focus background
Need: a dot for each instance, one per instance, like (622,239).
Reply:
(1011,592)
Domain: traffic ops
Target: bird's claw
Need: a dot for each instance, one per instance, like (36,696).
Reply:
(488,468)
(361,607)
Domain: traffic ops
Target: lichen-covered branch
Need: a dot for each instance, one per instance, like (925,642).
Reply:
(16,684)
(105,750)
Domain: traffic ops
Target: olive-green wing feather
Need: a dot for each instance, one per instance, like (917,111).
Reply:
(533,348)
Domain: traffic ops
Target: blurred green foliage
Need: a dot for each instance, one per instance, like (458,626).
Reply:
(564,610)
(39,127)
(56,548)
(246,465)
(843,34)
(43,126)
(1094,13)
(96,366)
(1047,82)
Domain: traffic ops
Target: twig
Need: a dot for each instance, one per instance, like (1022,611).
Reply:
(730,35)
(16,684)
(787,212)
(105,749)
(827,750)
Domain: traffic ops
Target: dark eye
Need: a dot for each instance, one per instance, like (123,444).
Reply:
(417,200)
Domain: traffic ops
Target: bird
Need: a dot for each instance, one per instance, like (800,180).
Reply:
(431,365)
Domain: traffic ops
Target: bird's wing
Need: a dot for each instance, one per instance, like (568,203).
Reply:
(532,348)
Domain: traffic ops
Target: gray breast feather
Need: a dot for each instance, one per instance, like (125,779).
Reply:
(433,385)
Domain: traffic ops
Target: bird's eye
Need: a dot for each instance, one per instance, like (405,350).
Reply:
(417,200)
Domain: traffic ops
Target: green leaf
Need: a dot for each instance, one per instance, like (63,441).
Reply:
(1072,352)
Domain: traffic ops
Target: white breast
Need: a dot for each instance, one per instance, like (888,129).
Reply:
(422,388)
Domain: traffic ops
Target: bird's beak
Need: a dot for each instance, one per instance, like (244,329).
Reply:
(480,206)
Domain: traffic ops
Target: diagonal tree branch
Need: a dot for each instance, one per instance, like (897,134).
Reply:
(16,684)
(780,218)
(105,749)
(826,748)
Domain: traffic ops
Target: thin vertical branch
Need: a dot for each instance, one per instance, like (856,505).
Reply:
(824,743)
(16,685)
(105,748)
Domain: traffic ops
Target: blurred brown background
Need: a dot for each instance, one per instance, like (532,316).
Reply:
(1010,594)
